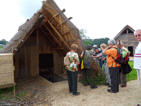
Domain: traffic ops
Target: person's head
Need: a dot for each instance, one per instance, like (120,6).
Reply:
(96,50)
(111,42)
(121,44)
(137,34)
(89,47)
(103,46)
(74,47)
(94,46)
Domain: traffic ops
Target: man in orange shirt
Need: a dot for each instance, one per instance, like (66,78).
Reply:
(111,53)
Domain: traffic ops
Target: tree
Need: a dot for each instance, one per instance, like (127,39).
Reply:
(3,41)
(86,39)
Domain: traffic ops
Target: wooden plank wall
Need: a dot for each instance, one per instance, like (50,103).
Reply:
(128,40)
(27,57)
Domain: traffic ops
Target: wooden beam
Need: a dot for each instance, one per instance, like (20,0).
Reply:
(55,30)
(58,13)
(54,36)
(48,36)
(66,33)
(65,21)
(50,39)
(37,44)
(59,48)
(71,41)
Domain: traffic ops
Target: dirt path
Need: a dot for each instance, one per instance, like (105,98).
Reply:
(60,96)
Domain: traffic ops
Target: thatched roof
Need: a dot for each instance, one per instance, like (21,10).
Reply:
(126,27)
(51,22)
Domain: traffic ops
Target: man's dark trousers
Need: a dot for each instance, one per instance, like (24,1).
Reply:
(72,81)
(114,75)
(88,73)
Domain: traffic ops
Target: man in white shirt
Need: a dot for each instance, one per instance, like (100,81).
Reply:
(137,55)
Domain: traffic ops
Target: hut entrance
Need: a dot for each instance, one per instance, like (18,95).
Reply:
(130,48)
(46,66)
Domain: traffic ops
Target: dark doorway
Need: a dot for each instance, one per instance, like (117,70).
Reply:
(130,48)
(46,66)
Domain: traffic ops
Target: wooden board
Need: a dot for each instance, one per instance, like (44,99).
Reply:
(6,70)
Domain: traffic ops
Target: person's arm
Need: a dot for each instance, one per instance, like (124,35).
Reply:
(81,54)
(77,59)
(97,56)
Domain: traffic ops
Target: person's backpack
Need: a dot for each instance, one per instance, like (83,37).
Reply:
(87,61)
(66,61)
(120,59)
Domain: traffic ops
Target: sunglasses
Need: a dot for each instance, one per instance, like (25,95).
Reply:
(137,35)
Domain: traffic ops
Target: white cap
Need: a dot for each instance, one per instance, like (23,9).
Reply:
(94,45)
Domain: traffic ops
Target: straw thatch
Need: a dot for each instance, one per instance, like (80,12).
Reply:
(64,31)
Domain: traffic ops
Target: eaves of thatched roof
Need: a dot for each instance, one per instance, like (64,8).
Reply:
(127,26)
(52,22)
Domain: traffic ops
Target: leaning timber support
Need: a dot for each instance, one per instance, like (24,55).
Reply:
(58,13)
(65,21)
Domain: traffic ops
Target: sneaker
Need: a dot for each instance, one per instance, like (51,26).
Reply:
(85,84)
(123,86)
(106,83)
(93,87)
(77,93)
(109,85)
(109,90)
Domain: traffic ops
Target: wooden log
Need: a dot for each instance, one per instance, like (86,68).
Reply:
(61,38)
(58,13)
(65,21)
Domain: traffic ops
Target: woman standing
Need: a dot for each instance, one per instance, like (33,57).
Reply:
(72,69)
(137,56)
(111,53)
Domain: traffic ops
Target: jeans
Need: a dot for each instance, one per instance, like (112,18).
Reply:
(72,81)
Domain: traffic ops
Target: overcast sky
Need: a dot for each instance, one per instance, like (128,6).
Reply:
(101,18)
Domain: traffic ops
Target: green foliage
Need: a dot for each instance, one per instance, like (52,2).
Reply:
(133,74)
(87,41)
(1,47)
(3,41)
(4,93)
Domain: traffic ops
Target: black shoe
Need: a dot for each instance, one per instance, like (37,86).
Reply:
(93,87)
(77,93)
(109,90)
(109,85)
(85,84)
(106,83)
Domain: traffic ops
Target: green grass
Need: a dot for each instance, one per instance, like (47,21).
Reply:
(1,48)
(133,74)
(100,79)
(4,93)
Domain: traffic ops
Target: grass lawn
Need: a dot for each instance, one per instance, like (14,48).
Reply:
(1,48)
(133,74)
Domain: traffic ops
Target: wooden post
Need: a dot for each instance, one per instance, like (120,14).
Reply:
(13,72)
(37,43)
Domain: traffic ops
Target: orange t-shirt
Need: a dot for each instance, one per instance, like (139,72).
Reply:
(110,61)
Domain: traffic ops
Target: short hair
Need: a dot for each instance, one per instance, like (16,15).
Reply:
(89,47)
(112,41)
(120,42)
(74,47)
(103,45)
(137,31)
